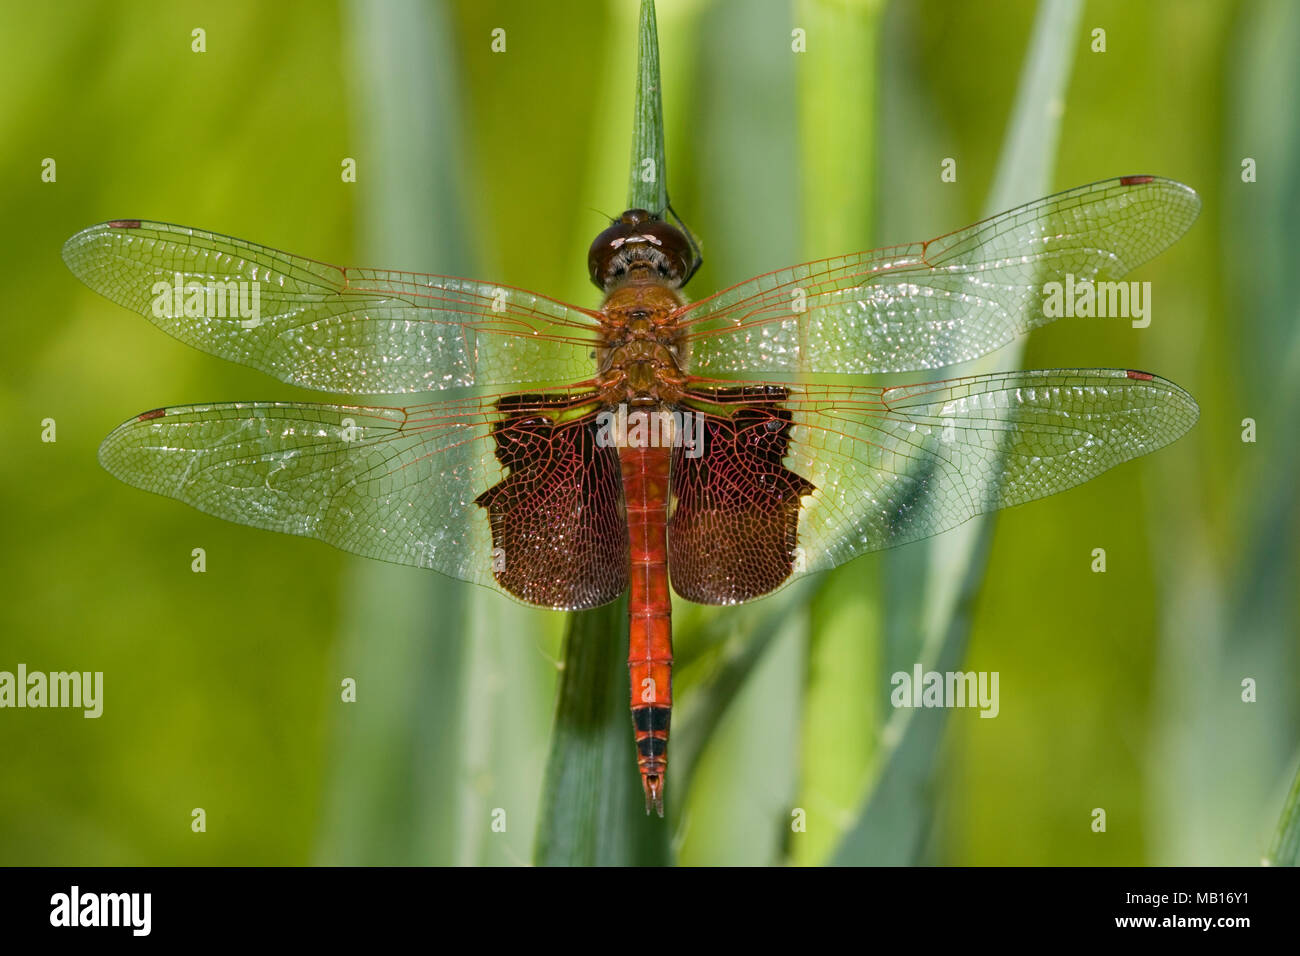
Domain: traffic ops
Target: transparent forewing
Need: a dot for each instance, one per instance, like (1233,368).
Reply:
(873,468)
(427,486)
(933,304)
(358,331)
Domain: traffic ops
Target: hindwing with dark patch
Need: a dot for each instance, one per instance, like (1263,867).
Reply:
(559,530)
(734,527)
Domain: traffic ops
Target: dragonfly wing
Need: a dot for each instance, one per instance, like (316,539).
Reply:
(873,468)
(428,486)
(559,529)
(358,331)
(933,304)
(734,525)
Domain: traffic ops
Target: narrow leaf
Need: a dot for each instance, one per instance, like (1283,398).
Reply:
(893,822)
(648,182)
(592,805)
(1286,843)
(593,812)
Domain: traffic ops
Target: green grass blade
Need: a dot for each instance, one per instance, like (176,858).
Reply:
(731,692)
(593,811)
(399,750)
(838,106)
(648,178)
(1229,609)
(741,638)
(895,815)
(1286,842)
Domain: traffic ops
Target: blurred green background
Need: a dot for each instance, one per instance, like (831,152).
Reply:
(1119,690)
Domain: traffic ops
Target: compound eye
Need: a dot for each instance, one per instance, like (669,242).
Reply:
(639,236)
(669,240)
(603,249)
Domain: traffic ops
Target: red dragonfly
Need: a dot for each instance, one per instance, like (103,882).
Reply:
(634,455)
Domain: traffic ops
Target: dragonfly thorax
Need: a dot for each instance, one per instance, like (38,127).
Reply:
(642,357)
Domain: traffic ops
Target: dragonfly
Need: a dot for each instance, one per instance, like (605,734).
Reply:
(718,449)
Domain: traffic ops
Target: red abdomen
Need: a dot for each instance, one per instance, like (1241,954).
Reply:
(650,643)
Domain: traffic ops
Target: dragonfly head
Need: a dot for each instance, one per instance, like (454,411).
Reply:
(639,245)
